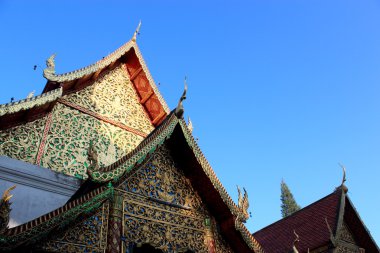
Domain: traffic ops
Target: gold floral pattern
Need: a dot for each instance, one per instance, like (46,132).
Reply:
(87,234)
(162,209)
(112,95)
(69,138)
(22,142)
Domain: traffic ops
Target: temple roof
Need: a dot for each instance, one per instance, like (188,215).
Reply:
(97,67)
(174,133)
(34,230)
(310,224)
(59,85)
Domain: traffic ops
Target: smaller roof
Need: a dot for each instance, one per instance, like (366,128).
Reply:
(310,224)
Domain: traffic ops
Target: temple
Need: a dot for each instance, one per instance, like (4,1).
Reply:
(101,164)
(330,224)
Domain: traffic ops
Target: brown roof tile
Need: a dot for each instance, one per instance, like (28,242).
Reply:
(309,223)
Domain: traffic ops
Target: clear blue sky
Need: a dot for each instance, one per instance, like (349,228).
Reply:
(276,90)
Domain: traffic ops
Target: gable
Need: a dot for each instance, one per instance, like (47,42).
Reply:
(161,208)
(107,112)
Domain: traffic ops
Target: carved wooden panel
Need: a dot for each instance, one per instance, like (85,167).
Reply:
(161,208)
(86,234)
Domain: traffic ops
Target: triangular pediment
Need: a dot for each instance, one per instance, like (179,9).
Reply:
(161,208)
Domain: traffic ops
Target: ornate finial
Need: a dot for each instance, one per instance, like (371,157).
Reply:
(243,205)
(5,209)
(179,111)
(295,250)
(50,66)
(31,94)
(190,125)
(137,32)
(343,186)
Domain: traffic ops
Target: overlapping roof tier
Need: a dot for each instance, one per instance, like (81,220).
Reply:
(175,134)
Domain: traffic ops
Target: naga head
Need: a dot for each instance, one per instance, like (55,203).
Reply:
(50,66)
(179,110)
(5,209)
(50,62)
(243,205)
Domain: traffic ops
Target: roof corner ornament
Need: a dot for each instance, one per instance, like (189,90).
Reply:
(295,250)
(179,110)
(5,209)
(93,160)
(50,66)
(190,125)
(137,32)
(243,205)
(343,186)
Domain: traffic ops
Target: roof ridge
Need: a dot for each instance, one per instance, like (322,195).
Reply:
(29,103)
(16,236)
(137,155)
(49,73)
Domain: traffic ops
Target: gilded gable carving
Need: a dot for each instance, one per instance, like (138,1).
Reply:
(22,142)
(161,208)
(70,134)
(345,234)
(344,249)
(112,95)
(87,234)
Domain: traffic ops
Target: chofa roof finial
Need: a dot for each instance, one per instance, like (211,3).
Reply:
(343,186)
(50,66)
(179,111)
(137,32)
(243,205)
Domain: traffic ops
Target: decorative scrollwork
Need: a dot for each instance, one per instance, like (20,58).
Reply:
(162,209)
(345,234)
(112,95)
(70,134)
(22,142)
(87,234)
(344,249)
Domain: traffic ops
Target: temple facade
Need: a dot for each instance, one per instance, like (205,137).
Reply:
(108,167)
(136,181)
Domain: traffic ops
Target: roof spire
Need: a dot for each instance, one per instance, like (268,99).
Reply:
(137,32)
(343,186)
(179,111)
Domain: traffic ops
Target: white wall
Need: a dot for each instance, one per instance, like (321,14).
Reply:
(38,190)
